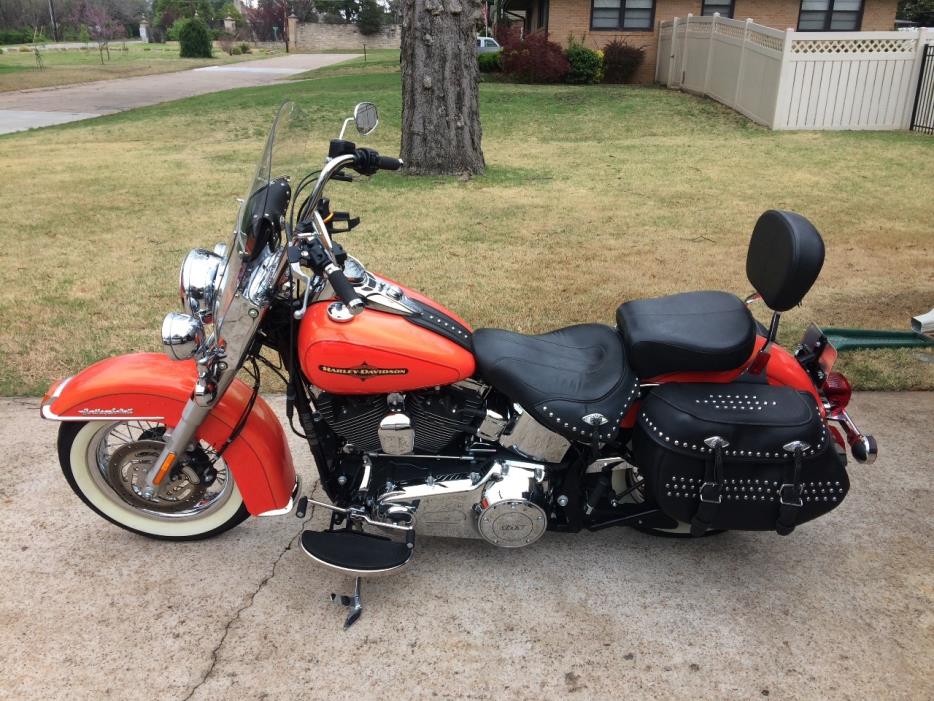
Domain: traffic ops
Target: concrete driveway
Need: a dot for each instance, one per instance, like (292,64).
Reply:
(28,109)
(842,609)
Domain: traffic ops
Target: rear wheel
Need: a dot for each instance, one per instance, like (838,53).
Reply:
(106,465)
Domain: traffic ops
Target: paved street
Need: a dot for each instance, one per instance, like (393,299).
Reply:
(842,609)
(27,109)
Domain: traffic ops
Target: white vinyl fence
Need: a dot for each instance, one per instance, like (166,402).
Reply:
(795,80)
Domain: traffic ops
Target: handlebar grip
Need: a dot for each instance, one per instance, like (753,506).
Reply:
(390,163)
(344,289)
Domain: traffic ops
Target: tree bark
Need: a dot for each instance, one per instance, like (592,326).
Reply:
(440,112)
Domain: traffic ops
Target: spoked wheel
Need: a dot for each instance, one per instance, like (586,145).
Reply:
(106,465)
(632,477)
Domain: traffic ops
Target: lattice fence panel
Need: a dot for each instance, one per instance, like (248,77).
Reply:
(766,40)
(852,46)
(729,30)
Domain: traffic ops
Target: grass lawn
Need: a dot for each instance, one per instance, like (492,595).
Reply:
(18,69)
(593,195)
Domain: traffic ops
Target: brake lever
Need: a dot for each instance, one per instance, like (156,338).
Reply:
(297,271)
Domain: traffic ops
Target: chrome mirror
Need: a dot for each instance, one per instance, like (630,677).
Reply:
(366,117)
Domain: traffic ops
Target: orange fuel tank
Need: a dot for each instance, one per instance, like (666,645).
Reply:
(378,352)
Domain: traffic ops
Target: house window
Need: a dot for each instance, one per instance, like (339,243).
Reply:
(724,8)
(638,15)
(830,15)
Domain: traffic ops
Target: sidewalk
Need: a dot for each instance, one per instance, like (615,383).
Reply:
(840,609)
(27,109)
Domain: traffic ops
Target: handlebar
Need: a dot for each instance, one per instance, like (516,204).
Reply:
(344,289)
(390,163)
(367,162)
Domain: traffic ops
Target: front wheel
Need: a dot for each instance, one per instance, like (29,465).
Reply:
(106,466)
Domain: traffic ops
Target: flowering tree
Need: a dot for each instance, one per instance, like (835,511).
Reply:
(101,25)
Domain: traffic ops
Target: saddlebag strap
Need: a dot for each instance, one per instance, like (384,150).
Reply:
(711,491)
(789,494)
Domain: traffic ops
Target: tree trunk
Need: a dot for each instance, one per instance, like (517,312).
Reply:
(440,115)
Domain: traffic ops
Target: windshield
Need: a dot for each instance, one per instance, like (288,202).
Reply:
(284,157)
(281,167)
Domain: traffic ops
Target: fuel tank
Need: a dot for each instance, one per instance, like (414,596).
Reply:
(379,352)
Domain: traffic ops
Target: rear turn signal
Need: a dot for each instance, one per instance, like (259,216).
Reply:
(838,391)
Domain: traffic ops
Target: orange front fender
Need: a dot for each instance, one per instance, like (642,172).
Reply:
(150,386)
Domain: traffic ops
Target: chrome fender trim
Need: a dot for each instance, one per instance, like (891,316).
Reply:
(296,491)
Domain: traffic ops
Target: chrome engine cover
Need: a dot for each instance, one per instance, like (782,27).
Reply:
(503,506)
(396,435)
(529,438)
(508,515)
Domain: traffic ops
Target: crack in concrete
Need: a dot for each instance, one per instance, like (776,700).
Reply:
(233,619)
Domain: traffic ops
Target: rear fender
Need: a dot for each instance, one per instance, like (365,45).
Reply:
(150,386)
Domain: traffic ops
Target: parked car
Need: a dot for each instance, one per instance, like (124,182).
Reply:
(488,45)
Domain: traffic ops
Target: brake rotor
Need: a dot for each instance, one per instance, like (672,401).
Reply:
(128,468)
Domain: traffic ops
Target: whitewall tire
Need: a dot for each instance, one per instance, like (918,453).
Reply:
(90,471)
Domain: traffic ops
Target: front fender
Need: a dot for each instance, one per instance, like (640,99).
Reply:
(150,386)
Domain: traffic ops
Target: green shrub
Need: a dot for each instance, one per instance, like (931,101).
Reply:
(17,36)
(171,34)
(194,38)
(586,65)
(489,62)
(621,61)
(236,51)
(245,48)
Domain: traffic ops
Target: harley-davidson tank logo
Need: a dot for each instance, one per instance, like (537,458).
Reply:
(364,371)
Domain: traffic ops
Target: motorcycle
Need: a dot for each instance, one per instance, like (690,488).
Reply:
(686,420)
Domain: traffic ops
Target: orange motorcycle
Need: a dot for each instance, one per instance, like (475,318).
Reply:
(687,419)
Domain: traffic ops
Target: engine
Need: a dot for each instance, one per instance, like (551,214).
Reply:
(505,505)
(424,421)
(419,465)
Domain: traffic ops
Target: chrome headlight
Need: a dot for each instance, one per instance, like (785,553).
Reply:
(197,283)
(182,335)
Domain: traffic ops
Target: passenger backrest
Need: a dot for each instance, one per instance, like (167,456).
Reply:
(786,254)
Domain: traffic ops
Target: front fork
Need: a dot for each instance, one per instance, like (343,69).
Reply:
(214,376)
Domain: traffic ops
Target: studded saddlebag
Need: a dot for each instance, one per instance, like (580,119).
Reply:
(738,456)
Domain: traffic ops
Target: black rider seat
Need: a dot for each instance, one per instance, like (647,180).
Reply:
(561,377)
(689,332)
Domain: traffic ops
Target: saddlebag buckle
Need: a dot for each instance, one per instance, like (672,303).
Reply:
(795,492)
(717,493)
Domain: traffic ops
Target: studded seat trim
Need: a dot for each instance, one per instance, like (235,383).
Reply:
(563,377)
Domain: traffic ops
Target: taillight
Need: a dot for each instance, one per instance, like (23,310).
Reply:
(838,391)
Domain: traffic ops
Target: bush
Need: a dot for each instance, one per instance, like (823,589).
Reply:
(535,60)
(15,36)
(490,62)
(194,37)
(236,51)
(621,61)
(171,34)
(245,48)
(586,65)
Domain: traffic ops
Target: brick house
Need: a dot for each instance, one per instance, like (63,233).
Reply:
(636,21)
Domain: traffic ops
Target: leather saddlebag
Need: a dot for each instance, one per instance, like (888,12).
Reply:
(738,456)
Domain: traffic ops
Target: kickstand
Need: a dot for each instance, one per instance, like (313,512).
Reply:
(354,603)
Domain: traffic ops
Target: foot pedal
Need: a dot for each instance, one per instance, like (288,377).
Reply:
(357,554)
